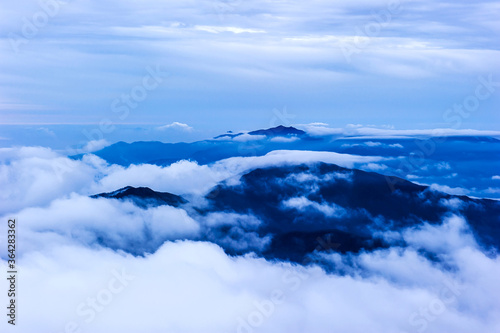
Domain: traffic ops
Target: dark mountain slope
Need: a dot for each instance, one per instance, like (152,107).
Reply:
(301,206)
(298,204)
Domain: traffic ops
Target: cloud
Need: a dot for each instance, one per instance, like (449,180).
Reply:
(292,157)
(221,59)
(372,144)
(107,222)
(453,235)
(443,166)
(385,133)
(374,167)
(176,126)
(248,137)
(284,139)
(46,131)
(218,29)
(183,177)
(303,204)
(246,293)
(95,145)
(33,176)
(449,190)
(434,277)
(492,190)
(495,178)
(453,203)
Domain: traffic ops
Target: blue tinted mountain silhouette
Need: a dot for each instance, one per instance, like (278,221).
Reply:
(298,204)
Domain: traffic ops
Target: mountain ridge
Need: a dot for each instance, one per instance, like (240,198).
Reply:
(298,204)
(143,197)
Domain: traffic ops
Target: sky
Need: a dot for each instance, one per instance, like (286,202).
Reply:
(213,66)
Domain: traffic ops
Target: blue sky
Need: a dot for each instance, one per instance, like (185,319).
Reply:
(224,65)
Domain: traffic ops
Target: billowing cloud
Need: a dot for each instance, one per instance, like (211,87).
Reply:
(107,222)
(434,277)
(92,288)
(34,176)
(95,145)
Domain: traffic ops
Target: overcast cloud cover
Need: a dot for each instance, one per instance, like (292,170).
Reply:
(211,58)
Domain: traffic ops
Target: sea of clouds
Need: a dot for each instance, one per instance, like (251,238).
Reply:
(442,281)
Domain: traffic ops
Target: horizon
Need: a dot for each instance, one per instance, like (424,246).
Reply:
(402,63)
(63,136)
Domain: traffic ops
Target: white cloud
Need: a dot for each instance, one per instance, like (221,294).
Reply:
(114,223)
(292,157)
(218,29)
(360,131)
(32,176)
(443,166)
(373,144)
(218,219)
(374,167)
(231,294)
(176,126)
(95,145)
(453,203)
(495,178)
(284,139)
(63,265)
(492,190)
(453,235)
(245,137)
(302,204)
(449,190)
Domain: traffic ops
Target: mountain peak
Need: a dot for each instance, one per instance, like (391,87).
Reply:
(278,131)
(144,196)
(270,132)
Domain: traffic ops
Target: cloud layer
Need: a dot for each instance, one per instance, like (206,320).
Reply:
(393,290)
(440,281)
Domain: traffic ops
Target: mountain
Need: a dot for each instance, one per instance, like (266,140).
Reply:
(270,132)
(463,162)
(206,151)
(298,204)
(278,131)
(144,197)
(285,212)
